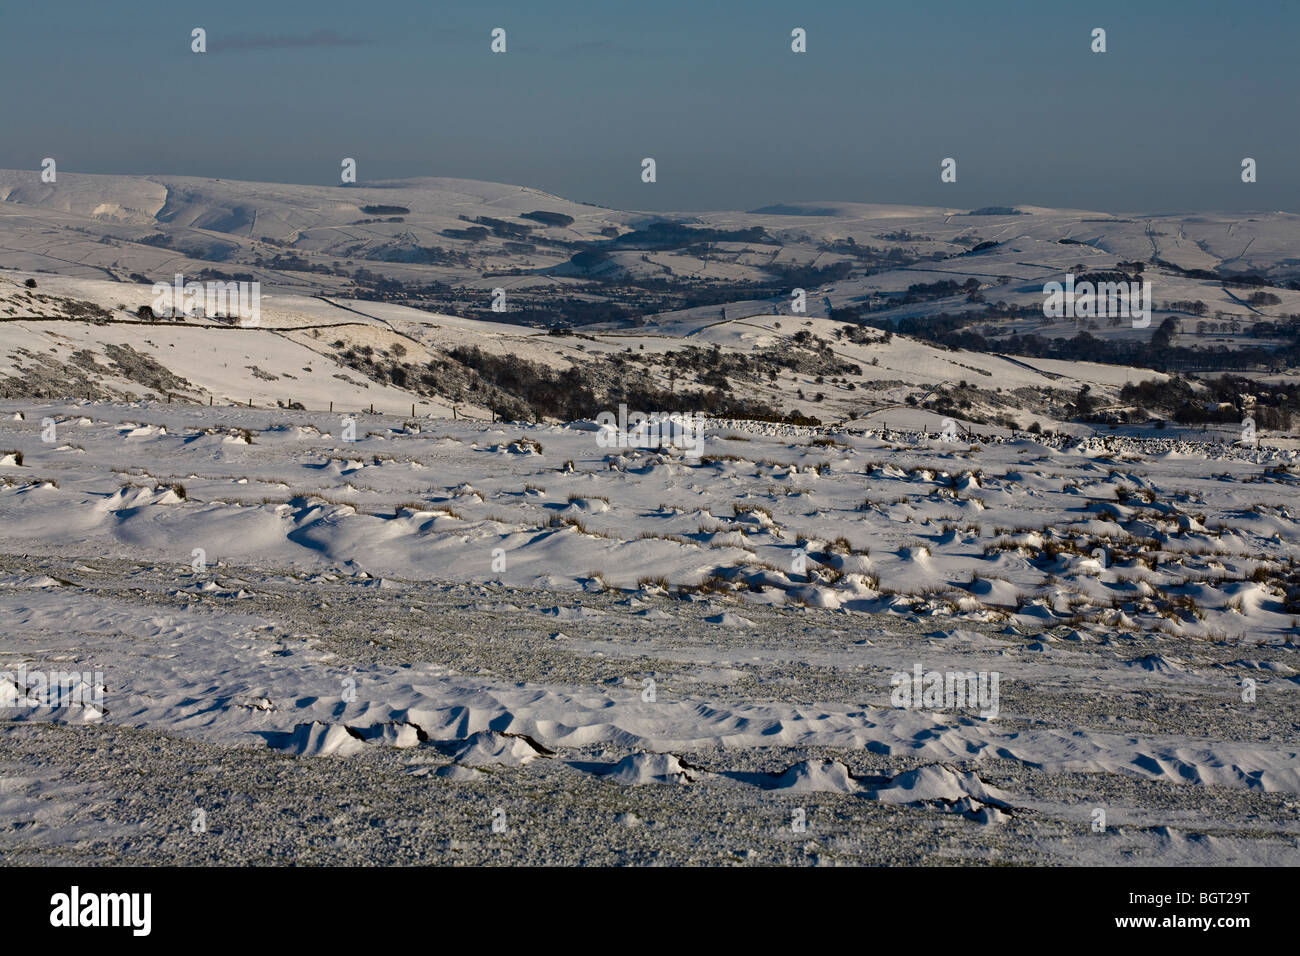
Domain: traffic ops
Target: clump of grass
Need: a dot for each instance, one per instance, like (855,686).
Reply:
(716,529)
(444,510)
(1188,604)
(719,546)
(524,443)
(18,456)
(841,545)
(563,521)
(713,584)
(30,482)
(674,538)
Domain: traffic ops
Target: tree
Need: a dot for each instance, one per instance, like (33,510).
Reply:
(1084,403)
(1165,334)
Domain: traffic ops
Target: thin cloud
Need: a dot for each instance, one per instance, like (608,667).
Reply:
(281,41)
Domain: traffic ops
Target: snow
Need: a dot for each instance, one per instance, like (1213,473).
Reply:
(478,609)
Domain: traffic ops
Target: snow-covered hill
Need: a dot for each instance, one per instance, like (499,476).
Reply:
(66,337)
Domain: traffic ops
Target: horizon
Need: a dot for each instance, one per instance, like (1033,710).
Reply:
(412,181)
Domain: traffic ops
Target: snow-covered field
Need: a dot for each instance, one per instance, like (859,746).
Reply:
(464,641)
(283,629)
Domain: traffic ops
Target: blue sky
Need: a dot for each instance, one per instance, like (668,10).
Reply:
(1159,123)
